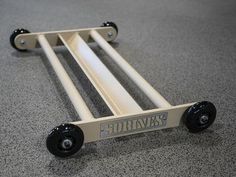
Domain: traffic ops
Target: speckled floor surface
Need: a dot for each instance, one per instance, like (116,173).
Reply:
(185,49)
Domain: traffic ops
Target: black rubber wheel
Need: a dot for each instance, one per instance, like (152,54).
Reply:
(199,116)
(110,24)
(14,34)
(65,140)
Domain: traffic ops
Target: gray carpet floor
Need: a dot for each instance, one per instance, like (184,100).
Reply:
(185,49)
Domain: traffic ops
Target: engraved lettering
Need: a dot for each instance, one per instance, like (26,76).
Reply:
(135,124)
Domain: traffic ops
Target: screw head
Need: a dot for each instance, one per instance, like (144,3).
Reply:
(110,34)
(203,119)
(22,42)
(66,143)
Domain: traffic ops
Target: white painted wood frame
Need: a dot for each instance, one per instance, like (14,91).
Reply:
(128,117)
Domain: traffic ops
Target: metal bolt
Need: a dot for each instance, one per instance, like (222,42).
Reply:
(22,42)
(110,34)
(66,144)
(203,119)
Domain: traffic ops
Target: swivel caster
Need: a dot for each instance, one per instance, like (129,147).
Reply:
(14,35)
(65,140)
(199,116)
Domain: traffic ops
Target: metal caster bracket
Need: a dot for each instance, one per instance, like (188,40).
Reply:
(128,117)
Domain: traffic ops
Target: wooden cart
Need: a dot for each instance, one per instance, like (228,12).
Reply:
(128,117)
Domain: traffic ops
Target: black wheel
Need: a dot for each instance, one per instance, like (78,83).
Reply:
(110,24)
(199,116)
(14,35)
(65,140)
